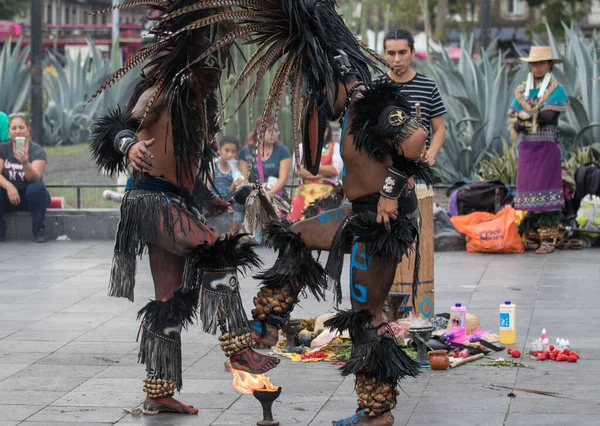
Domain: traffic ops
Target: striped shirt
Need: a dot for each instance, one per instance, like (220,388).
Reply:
(424,91)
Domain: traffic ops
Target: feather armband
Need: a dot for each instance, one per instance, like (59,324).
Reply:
(111,138)
(382,120)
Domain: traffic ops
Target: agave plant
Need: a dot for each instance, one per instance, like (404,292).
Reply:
(66,120)
(69,114)
(15,77)
(580,76)
(477,94)
(501,165)
(120,92)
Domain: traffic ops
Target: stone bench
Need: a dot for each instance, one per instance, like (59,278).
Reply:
(76,224)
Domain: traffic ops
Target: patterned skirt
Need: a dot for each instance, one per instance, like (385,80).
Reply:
(539,176)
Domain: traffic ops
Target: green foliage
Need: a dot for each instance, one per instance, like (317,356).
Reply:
(580,76)
(477,94)
(580,157)
(15,77)
(501,165)
(10,9)
(68,115)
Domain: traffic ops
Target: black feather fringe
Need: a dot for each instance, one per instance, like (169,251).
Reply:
(335,261)
(122,276)
(104,131)
(388,245)
(227,252)
(222,310)
(380,357)
(368,135)
(222,307)
(159,352)
(418,169)
(182,307)
(295,268)
(141,213)
(350,321)
(161,355)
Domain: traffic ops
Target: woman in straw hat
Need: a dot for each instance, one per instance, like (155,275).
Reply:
(533,118)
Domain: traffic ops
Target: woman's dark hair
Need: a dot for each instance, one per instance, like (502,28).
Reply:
(20,115)
(269,122)
(400,35)
(229,140)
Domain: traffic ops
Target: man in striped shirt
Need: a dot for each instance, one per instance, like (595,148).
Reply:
(399,50)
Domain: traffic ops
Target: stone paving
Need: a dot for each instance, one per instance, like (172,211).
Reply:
(68,353)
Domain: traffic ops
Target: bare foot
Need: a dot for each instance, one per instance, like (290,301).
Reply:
(361,418)
(251,361)
(263,334)
(168,405)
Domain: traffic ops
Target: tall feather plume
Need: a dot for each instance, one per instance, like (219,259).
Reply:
(129,4)
(253,4)
(131,63)
(309,30)
(178,69)
(158,88)
(251,66)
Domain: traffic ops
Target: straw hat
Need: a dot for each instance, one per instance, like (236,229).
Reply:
(539,54)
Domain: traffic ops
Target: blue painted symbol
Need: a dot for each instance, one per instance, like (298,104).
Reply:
(358,292)
(325,218)
(404,307)
(338,214)
(427,301)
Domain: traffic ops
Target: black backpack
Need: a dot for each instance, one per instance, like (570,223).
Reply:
(587,181)
(486,196)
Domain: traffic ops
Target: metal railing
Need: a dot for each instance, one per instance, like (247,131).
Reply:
(79,187)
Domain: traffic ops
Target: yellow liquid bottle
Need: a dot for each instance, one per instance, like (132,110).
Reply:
(508,323)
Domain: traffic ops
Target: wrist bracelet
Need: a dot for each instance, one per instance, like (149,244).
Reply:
(124,140)
(394,184)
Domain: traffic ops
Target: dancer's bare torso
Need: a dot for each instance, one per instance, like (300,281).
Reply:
(156,126)
(364,176)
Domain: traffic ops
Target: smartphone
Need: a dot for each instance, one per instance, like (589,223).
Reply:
(20,140)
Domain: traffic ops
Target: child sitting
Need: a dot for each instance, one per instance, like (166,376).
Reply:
(226,178)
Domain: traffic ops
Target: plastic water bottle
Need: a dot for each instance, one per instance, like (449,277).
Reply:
(458,317)
(508,323)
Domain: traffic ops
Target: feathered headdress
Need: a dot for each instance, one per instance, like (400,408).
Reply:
(182,72)
(305,37)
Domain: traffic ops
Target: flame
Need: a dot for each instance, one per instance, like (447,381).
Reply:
(248,383)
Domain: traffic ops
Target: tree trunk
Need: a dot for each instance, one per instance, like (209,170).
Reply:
(440,20)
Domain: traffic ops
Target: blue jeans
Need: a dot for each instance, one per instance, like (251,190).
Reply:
(34,198)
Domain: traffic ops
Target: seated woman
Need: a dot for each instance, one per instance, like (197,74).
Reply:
(319,189)
(22,164)
(273,160)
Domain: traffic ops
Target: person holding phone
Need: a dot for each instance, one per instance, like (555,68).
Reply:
(22,164)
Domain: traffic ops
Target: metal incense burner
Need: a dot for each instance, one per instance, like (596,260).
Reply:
(266,400)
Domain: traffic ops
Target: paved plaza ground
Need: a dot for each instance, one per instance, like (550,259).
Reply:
(68,353)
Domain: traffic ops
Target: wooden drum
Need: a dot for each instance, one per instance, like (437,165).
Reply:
(399,302)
